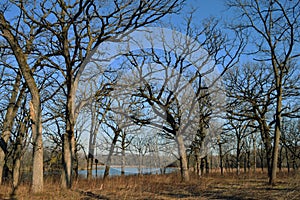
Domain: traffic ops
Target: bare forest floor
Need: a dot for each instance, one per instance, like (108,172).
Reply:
(212,186)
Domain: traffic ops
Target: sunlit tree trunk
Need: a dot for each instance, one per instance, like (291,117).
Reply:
(67,161)
(69,137)
(183,158)
(35,104)
(279,86)
(37,140)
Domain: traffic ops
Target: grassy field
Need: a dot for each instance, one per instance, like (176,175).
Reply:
(212,186)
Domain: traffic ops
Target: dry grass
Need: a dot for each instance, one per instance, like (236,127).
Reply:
(230,186)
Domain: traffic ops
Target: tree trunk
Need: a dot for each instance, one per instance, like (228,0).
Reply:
(90,159)
(277,134)
(18,155)
(92,141)
(238,152)
(265,133)
(202,165)
(90,162)
(280,159)
(68,137)
(262,160)
(183,159)
(197,162)
(221,157)
(67,161)
(111,150)
(206,165)
(248,160)
(227,164)
(75,159)
(287,160)
(37,167)
(123,154)
(254,154)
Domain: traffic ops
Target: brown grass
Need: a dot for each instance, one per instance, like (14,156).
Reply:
(213,186)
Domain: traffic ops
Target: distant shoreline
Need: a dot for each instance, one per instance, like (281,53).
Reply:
(127,166)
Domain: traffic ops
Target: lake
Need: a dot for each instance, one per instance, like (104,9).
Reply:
(116,171)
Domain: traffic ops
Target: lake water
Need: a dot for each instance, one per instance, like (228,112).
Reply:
(116,171)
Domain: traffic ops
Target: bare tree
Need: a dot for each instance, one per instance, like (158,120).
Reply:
(250,97)
(166,86)
(198,145)
(274,27)
(21,45)
(240,132)
(95,125)
(11,111)
(290,140)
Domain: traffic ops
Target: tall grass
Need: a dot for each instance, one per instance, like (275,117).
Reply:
(211,186)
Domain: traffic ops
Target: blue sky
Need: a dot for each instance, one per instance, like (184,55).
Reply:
(208,8)
(203,9)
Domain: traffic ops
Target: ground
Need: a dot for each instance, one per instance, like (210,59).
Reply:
(166,187)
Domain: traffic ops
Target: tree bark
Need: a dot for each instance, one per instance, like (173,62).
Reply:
(272,179)
(183,158)
(75,159)
(37,167)
(221,157)
(67,162)
(90,162)
(265,134)
(68,137)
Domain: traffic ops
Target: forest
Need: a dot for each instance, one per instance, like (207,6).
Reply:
(97,86)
